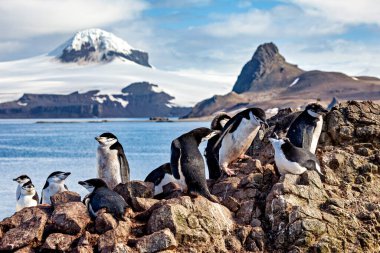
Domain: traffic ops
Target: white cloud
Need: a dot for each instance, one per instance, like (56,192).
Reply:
(27,18)
(279,22)
(343,11)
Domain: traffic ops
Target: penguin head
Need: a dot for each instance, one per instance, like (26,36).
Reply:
(219,121)
(92,184)
(202,134)
(315,110)
(257,116)
(57,177)
(106,139)
(28,189)
(22,179)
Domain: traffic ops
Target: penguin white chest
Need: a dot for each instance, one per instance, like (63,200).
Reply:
(237,143)
(285,166)
(316,134)
(52,189)
(109,166)
(25,201)
(167,179)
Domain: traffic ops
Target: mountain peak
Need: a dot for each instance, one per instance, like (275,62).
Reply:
(266,69)
(96,45)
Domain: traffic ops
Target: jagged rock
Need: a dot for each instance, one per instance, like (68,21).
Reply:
(134,189)
(24,228)
(193,221)
(142,204)
(70,218)
(59,242)
(157,241)
(64,197)
(108,242)
(27,249)
(104,222)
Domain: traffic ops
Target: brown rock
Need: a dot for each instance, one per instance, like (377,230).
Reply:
(27,249)
(109,240)
(59,242)
(143,204)
(157,241)
(64,197)
(104,222)
(134,189)
(26,228)
(70,218)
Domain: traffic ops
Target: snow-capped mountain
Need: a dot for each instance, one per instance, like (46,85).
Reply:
(45,74)
(96,45)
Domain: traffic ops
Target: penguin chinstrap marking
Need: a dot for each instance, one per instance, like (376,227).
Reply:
(187,163)
(305,130)
(103,197)
(160,177)
(55,183)
(28,196)
(293,160)
(21,180)
(237,135)
(112,164)
(211,152)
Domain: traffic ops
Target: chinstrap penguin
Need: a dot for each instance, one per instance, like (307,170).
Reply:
(103,197)
(55,183)
(293,160)
(28,196)
(187,163)
(21,180)
(237,135)
(305,130)
(112,164)
(211,152)
(159,177)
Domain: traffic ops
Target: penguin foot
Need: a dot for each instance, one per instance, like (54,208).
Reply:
(228,171)
(244,156)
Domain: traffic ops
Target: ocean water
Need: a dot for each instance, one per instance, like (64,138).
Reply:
(38,149)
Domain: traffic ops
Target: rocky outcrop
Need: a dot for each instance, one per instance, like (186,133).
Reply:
(141,99)
(259,211)
(267,69)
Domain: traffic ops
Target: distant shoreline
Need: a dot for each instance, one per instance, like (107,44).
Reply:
(203,119)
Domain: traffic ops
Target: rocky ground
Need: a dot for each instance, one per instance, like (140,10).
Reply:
(259,211)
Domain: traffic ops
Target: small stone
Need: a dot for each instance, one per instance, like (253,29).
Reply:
(58,242)
(104,222)
(134,189)
(64,197)
(233,244)
(157,241)
(70,218)
(143,204)
(231,203)
(108,241)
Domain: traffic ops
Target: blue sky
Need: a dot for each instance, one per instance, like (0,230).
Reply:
(206,35)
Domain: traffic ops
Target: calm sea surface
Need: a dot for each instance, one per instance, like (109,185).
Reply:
(27,147)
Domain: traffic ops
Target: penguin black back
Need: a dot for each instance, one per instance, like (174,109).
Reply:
(301,130)
(103,197)
(187,160)
(212,150)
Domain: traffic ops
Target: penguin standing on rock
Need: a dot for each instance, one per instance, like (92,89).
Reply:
(211,152)
(21,180)
(293,160)
(112,166)
(187,163)
(305,130)
(102,197)
(28,196)
(55,183)
(159,177)
(238,135)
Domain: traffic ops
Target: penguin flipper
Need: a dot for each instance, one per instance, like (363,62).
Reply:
(231,126)
(124,168)
(35,197)
(307,137)
(175,158)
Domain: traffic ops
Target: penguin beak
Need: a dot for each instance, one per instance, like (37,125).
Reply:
(67,174)
(81,183)
(14,179)
(97,139)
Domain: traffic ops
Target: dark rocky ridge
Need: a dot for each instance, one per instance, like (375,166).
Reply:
(268,81)
(261,212)
(137,100)
(267,69)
